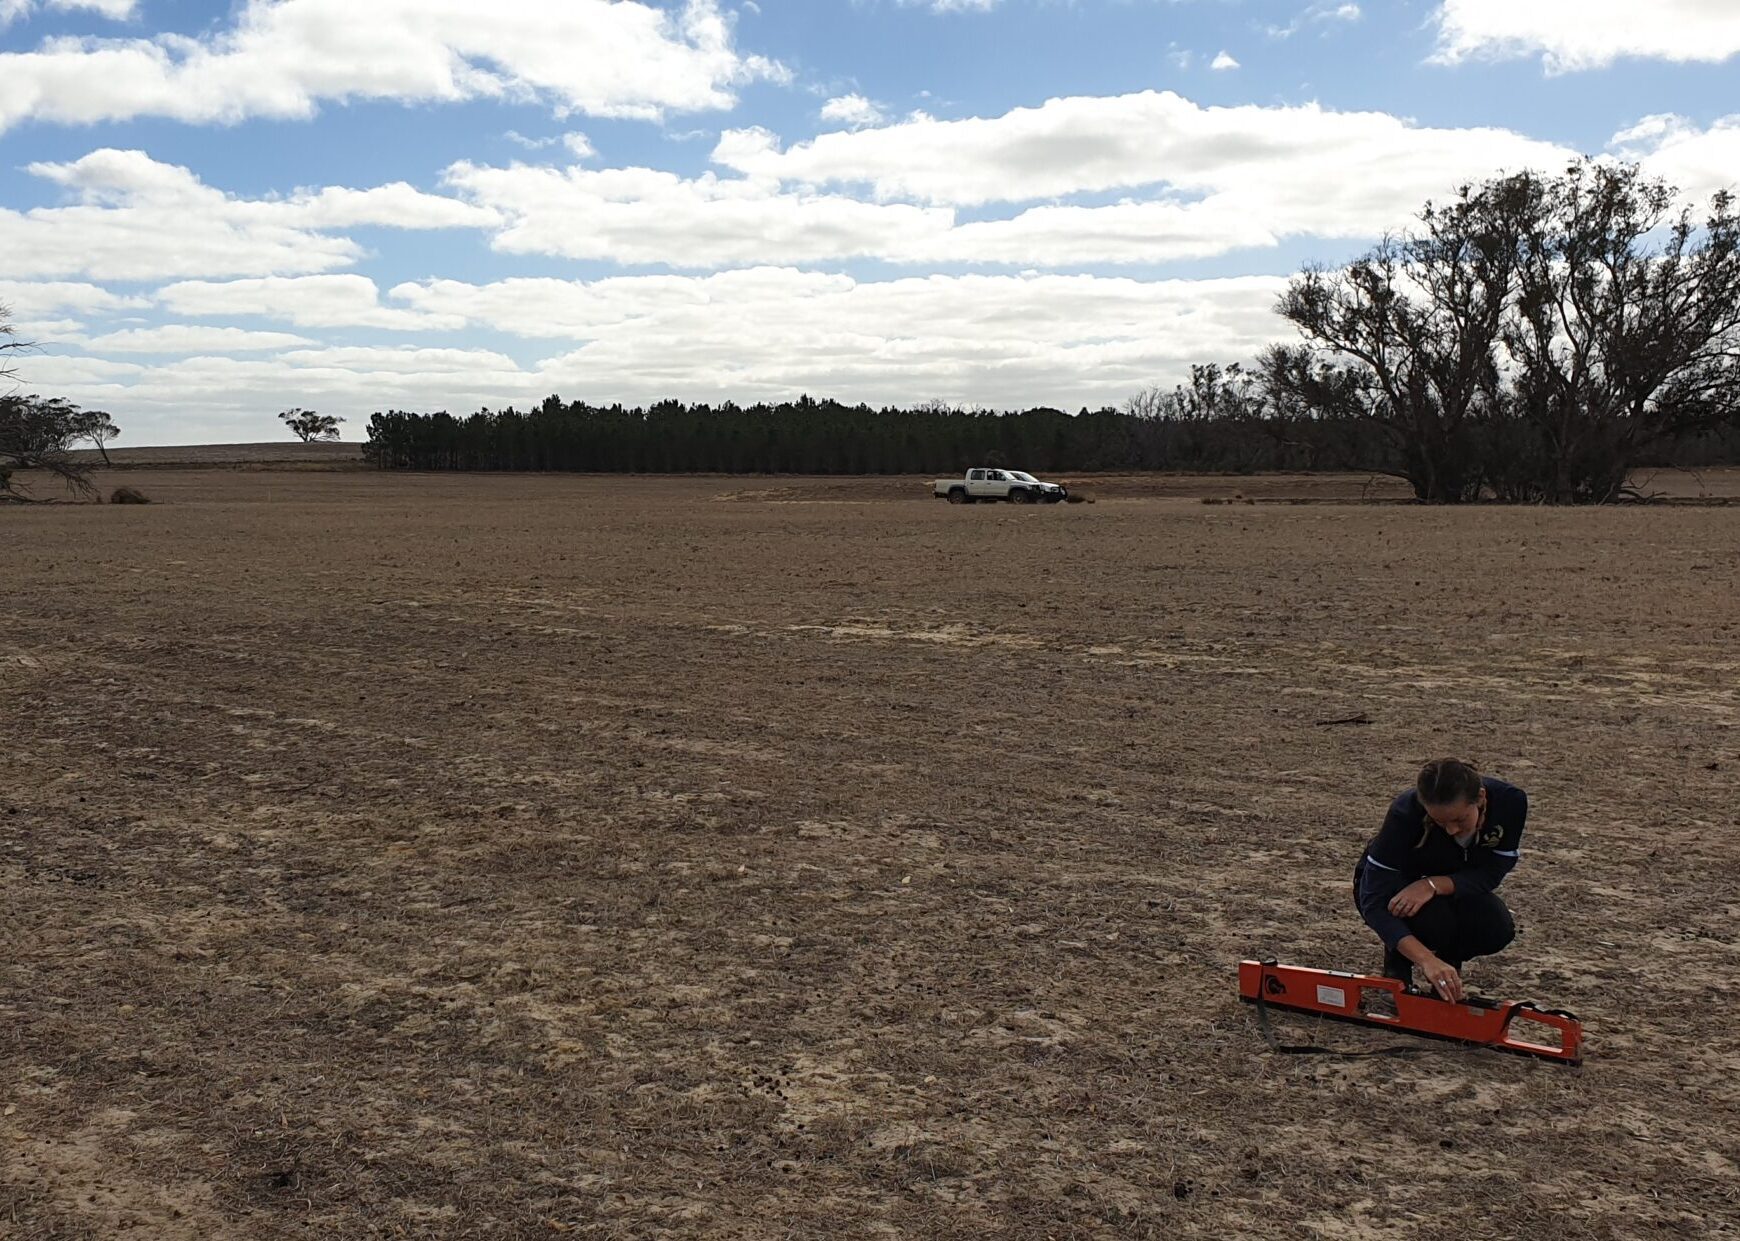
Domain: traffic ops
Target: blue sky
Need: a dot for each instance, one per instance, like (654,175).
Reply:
(213,211)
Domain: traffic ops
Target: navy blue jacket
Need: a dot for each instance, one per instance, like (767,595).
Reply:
(1410,846)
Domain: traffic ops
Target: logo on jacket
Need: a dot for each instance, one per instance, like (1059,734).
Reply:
(1491,836)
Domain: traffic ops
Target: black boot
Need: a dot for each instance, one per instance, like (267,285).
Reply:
(1398,967)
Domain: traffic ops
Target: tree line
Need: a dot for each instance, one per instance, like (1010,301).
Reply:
(805,436)
(1535,339)
(1212,424)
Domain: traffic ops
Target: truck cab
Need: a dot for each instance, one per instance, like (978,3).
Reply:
(989,483)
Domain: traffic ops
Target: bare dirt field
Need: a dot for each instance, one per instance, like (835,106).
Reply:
(520,857)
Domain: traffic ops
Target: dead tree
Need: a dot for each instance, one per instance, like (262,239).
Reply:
(9,343)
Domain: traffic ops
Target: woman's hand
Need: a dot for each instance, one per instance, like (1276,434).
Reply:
(1412,899)
(1444,980)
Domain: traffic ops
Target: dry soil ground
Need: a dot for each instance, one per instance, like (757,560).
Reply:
(524,857)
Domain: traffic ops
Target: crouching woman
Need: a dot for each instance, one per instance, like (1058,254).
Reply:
(1427,883)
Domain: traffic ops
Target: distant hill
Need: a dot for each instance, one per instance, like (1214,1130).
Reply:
(277,456)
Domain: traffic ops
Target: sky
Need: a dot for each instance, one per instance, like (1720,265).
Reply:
(215,210)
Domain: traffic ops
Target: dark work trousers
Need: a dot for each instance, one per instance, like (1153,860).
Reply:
(1458,928)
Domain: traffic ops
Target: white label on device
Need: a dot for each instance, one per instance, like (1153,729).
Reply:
(1332,995)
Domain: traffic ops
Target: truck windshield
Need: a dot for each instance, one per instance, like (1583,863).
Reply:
(1019,477)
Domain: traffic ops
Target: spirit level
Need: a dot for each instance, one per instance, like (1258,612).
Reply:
(1514,1025)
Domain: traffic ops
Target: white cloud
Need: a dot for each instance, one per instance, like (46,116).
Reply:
(1223,62)
(404,360)
(115,10)
(952,6)
(65,375)
(1281,170)
(577,143)
(186,338)
(384,206)
(210,399)
(642,215)
(280,59)
(37,310)
(36,331)
(1125,232)
(1570,35)
(45,297)
(1698,161)
(1211,180)
(999,340)
(134,218)
(305,301)
(853,110)
(1321,15)
(1009,341)
(645,216)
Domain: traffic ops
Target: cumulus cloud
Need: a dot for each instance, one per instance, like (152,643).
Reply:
(578,144)
(1288,169)
(1698,161)
(645,216)
(134,218)
(214,399)
(187,338)
(1571,35)
(952,6)
(42,297)
(66,375)
(41,310)
(853,110)
(1223,62)
(402,360)
(1002,340)
(279,59)
(1199,182)
(1319,15)
(305,301)
(116,10)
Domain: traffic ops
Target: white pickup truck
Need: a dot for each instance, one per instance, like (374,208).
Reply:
(1013,485)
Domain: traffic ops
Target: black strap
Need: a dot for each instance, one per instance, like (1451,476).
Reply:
(1309,1049)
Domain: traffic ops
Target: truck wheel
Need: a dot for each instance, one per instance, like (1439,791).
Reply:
(957,496)
(1021,496)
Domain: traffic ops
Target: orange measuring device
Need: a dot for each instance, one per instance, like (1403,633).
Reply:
(1512,1025)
